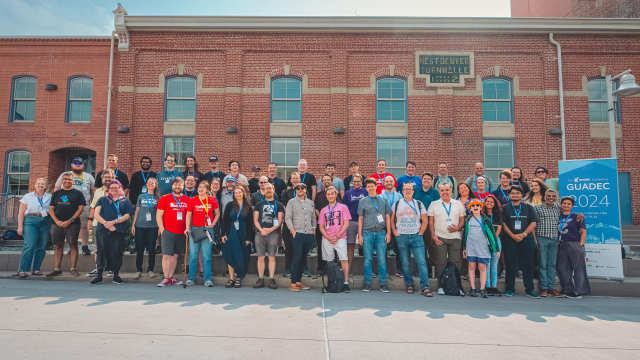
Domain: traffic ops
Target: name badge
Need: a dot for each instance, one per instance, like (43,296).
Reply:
(380,218)
(44,213)
(275,222)
(517,225)
(148,216)
(179,215)
(84,188)
(237,225)
(449,222)
(144,189)
(208,222)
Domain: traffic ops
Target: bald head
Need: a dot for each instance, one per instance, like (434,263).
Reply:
(478,169)
(389,183)
(262,182)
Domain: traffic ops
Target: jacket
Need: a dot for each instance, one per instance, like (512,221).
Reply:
(487,227)
(225,224)
(301,216)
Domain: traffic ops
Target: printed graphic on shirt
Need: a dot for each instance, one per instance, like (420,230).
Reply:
(334,220)
(267,214)
(407,218)
(65,200)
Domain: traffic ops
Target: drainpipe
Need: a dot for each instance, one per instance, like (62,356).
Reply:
(557,44)
(106,133)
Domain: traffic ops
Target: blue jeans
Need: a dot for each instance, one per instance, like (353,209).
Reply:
(36,233)
(415,244)
(547,258)
(301,245)
(369,240)
(492,271)
(194,249)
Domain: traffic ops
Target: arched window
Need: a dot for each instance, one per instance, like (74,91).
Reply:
(598,101)
(180,99)
(79,99)
(23,99)
(391,100)
(286,99)
(17,172)
(497,100)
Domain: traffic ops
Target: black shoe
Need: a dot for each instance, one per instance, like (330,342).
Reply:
(226,273)
(85,250)
(366,287)
(384,288)
(346,288)
(483,294)
(280,250)
(117,280)
(573,296)
(159,250)
(472,293)
(132,252)
(96,280)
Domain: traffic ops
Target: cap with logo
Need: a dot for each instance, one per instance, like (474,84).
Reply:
(255,167)
(77,160)
(213,158)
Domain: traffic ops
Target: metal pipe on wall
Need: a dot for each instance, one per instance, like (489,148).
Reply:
(561,89)
(106,133)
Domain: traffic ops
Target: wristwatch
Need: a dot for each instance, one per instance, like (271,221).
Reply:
(525,234)
(90,219)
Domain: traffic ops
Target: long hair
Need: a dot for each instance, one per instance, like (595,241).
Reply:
(195,162)
(543,189)
(497,210)
(156,194)
(471,194)
(114,182)
(246,205)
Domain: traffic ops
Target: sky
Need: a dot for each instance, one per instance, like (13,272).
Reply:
(94,17)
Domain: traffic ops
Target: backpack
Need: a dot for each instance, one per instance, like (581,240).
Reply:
(335,277)
(450,281)
(11,235)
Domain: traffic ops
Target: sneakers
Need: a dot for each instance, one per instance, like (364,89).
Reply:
(226,273)
(398,273)
(85,250)
(208,283)
(96,280)
(346,288)
(496,292)
(555,293)
(519,273)
(366,287)
(384,288)
(190,283)
(294,288)
(508,293)
(53,273)
(374,275)
(543,293)
(303,287)
(259,284)
(175,281)
(483,294)
(137,275)
(158,250)
(272,284)
(532,294)
(93,273)
(109,273)
(117,280)
(472,293)
(165,282)
(573,296)
(280,250)
(440,291)
(503,274)
(287,273)
(152,274)
(306,273)
(320,274)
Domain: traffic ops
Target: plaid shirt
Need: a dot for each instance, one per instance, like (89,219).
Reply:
(547,225)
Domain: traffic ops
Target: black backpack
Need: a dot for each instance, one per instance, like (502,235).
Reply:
(335,277)
(450,281)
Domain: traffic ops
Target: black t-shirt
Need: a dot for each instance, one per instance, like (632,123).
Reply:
(278,184)
(496,220)
(254,185)
(265,212)
(209,175)
(526,216)
(308,179)
(108,212)
(66,202)
(257,197)
(137,183)
(321,201)
(120,176)
(348,182)
(289,194)
(196,174)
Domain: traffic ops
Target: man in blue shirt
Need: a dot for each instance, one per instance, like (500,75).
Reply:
(426,195)
(352,199)
(165,178)
(391,195)
(409,177)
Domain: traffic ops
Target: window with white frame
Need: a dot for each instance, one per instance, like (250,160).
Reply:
(180,147)
(498,155)
(394,152)
(496,100)
(17,174)
(598,107)
(24,99)
(79,105)
(285,153)
(286,99)
(391,100)
(181,99)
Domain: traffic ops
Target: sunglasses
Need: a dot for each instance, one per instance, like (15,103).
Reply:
(169,161)
(540,172)
(77,164)
(475,205)
(263,182)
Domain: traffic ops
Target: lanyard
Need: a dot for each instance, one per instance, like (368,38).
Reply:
(206,207)
(190,192)
(517,211)
(382,178)
(412,207)
(445,209)
(514,184)
(506,197)
(479,195)
(262,198)
(116,173)
(563,222)
(374,205)
(275,209)
(480,222)
(442,180)
(533,199)
(239,211)
(304,177)
(41,201)
(216,175)
(117,205)
(386,194)
(82,178)
(143,178)
(331,210)
(492,218)
(148,204)
(172,175)
(294,193)
(177,202)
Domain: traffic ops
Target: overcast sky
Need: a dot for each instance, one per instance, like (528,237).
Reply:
(94,17)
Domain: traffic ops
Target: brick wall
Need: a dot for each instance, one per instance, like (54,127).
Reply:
(576,8)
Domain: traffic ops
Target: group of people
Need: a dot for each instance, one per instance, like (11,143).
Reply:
(432,217)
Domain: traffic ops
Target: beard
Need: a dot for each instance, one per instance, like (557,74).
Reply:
(77,171)
(146,167)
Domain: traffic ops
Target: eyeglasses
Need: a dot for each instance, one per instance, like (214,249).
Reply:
(263,182)
(540,172)
(146,162)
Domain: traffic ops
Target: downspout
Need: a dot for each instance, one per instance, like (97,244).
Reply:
(106,133)
(557,44)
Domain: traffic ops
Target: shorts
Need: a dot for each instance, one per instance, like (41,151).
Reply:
(479,260)
(340,247)
(266,244)
(70,233)
(352,232)
(172,244)
(84,216)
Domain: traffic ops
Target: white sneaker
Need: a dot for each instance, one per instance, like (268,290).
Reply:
(440,291)
(109,273)
(93,273)
(190,283)
(208,283)
(137,275)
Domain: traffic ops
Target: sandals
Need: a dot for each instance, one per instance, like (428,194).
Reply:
(238,285)
(22,274)
(229,284)
(426,293)
(37,273)
(409,289)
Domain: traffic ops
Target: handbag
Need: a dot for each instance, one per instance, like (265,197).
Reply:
(199,233)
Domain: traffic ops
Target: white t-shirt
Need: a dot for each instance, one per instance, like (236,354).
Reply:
(408,220)
(438,210)
(33,205)
(83,184)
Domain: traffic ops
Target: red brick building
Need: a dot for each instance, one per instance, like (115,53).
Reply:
(576,8)
(323,89)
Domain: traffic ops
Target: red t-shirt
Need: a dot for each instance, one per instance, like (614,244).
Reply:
(197,209)
(171,210)
(380,182)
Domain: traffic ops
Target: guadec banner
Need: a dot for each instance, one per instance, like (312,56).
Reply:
(594,186)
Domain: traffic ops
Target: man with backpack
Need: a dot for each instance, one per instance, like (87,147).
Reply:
(408,222)
(333,223)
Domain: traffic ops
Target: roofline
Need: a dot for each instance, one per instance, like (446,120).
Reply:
(55,37)
(362,24)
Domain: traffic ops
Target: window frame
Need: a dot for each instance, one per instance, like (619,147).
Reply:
(166,98)
(513,155)
(510,100)
(406,100)
(616,102)
(7,173)
(164,149)
(295,167)
(388,161)
(272,99)
(68,107)
(13,100)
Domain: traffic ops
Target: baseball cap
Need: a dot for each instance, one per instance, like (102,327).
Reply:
(255,167)
(213,158)
(353,162)
(77,160)
(229,177)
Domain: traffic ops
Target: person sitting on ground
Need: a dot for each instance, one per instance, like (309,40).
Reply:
(477,235)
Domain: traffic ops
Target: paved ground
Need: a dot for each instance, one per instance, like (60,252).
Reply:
(71,320)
